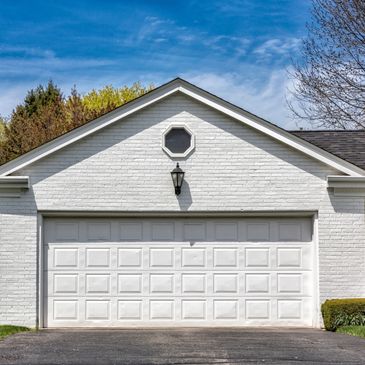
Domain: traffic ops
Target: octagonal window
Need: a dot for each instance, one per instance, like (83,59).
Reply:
(178,141)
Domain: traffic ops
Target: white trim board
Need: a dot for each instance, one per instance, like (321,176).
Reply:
(177,214)
(172,87)
(12,186)
(346,182)
(347,185)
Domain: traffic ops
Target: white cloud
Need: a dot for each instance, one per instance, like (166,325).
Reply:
(6,50)
(47,66)
(232,45)
(159,30)
(276,46)
(266,100)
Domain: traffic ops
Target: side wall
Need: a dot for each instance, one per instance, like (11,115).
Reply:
(123,168)
(18,261)
(341,247)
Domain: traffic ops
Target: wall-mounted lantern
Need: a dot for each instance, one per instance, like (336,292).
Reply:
(177,178)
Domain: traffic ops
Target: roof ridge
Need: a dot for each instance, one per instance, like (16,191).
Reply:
(175,86)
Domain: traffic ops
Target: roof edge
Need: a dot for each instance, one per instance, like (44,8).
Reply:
(217,103)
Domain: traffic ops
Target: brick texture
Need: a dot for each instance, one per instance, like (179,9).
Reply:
(123,168)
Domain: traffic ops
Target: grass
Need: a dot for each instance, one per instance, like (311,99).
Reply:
(358,331)
(7,330)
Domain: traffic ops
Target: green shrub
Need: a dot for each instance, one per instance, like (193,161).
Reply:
(343,312)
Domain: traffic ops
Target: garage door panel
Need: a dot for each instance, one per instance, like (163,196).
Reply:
(257,309)
(225,257)
(97,257)
(161,257)
(257,257)
(192,309)
(227,231)
(130,257)
(64,284)
(65,310)
(97,284)
(98,231)
(258,283)
(193,232)
(66,231)
(66,257)
(258,231)
(162,309)
(162,283)
(97,310)
(292,256)
(193,283)
(130,231)
(183,272)
(163,231)
(225,283)
(225,309)
(193,257)
(130,283)
(130,310)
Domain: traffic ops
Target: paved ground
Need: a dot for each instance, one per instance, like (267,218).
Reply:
(182,346)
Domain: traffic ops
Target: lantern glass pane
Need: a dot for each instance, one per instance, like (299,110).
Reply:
(174,178)
(180,179)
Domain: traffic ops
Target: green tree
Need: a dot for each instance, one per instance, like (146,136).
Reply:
(37,120)
(77,113)
(46,114)
(108,98)
(2,130)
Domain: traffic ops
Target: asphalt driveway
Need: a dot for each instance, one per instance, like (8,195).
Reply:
(182,346)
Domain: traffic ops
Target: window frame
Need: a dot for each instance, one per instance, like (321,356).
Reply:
(179,126)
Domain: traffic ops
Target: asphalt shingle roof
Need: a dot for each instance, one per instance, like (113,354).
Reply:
(348,145)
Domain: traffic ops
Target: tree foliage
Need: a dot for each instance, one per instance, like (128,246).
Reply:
(46,114)
(37,120)
(330,89)
(2,131)
(108,98)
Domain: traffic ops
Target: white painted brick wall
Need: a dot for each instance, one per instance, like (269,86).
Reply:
(18,268)
(123,168)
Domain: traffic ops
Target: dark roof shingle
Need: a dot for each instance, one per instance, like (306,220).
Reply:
(348,145)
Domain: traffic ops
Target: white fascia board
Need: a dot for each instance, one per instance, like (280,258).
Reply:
(85,130)
(14,182)
(280,135)
(199,95)
(346,182)
(348,186)
(13,186)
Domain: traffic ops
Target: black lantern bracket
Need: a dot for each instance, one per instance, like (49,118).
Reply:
(177,175)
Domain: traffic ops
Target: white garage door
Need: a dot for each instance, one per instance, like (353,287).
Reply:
(178,272)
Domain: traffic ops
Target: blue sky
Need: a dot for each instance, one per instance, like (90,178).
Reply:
(238,49)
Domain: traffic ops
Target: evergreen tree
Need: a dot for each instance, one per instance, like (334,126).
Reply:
(37,120)
(46,114)
(2,130)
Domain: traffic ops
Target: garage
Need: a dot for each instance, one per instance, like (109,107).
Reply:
(178,272)
(181,209)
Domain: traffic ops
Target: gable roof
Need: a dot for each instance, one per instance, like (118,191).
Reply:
(182,86)
(346,144)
